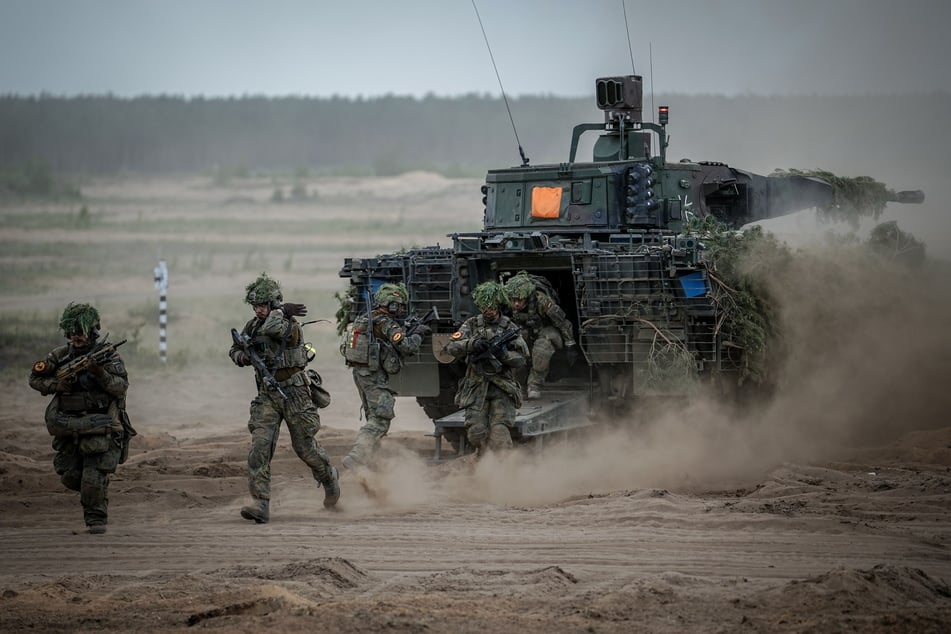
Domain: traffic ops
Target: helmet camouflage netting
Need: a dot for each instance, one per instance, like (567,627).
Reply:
(488,295)
(520,286)
(390,292)
(79,319)
(264,290)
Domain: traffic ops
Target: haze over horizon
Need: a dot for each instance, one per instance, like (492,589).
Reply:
(416,48)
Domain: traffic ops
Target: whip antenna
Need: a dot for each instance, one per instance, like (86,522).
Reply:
(521,152)
(650,57)
(628,29)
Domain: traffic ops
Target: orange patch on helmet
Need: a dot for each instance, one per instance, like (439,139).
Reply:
(39,366)
(456,335)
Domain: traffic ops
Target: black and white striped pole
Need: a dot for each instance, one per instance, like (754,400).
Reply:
(161,283)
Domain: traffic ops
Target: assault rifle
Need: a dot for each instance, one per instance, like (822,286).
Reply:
(97,356)
(491,363)
(413,323)
(244,342)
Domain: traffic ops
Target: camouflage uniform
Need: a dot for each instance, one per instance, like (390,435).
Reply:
(371,373)
(86,416)
(544,326)
(277,341)
(489,392)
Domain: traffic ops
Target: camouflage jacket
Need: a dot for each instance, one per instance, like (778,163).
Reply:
(89,393)
(479,374)
(391,334)
(278,341)
(540,311)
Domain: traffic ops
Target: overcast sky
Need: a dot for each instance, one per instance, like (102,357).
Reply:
(416,47)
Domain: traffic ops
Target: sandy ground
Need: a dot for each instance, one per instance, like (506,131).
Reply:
(860,542)
(829,512)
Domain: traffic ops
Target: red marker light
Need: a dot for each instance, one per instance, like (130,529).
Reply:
(663,114)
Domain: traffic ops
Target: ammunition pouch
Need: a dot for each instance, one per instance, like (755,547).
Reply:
(81,402)
(318,393)
(127,433)
(359,350)
(85,425)
(91,445)
(390,360)
(295,357)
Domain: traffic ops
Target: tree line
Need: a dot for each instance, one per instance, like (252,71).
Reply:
(456,136)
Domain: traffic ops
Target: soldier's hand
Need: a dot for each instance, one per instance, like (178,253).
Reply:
(480,345)
(422,330)
(62,386)
(96,370)
(571,352)
(241,359)
(294,310)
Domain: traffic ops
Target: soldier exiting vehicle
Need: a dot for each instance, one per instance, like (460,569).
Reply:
(544,326)
(493,349)
(375,353)
(272,342)
(86,415)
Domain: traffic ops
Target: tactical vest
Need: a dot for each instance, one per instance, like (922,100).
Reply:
(283,358)
(358,348)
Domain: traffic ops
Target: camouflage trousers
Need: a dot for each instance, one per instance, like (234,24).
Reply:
(268,409)
(488,425)
(378,403)
(543,347)
(84,466)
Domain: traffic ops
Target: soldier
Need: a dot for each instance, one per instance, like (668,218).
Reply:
(489,391)
(86,415)
(272,341)
(544,326)
(375,354)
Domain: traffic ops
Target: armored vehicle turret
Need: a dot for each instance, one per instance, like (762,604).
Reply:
(611,236)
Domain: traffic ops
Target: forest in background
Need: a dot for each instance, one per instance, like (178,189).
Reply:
(461,136)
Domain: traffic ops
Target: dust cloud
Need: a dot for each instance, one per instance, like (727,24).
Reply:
(867,359)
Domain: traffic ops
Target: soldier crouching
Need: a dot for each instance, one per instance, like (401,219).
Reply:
(493,349)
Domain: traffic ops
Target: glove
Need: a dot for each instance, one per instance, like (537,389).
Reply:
(480,345)
(294,310)
(422,330)
(97,370)
(242,359)
(571,352)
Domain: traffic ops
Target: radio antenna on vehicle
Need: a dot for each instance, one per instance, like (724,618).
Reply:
(627,28)
(521,152)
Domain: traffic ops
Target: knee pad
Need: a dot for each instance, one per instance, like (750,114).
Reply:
(477,434)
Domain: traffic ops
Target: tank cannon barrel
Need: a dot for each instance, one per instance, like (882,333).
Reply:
(907,197)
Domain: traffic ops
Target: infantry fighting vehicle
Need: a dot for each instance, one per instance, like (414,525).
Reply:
(609,235)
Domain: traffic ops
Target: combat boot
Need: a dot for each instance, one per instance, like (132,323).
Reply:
(259,513)
(97,529)
(332,489)
(533,392)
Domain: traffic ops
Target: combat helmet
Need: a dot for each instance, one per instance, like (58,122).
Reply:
(489,295)
(80,319)
(264,290)
(520,286)
(391,296)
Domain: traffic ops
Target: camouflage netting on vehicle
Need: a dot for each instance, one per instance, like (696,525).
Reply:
(890,242)
(852,198)
(740,291)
